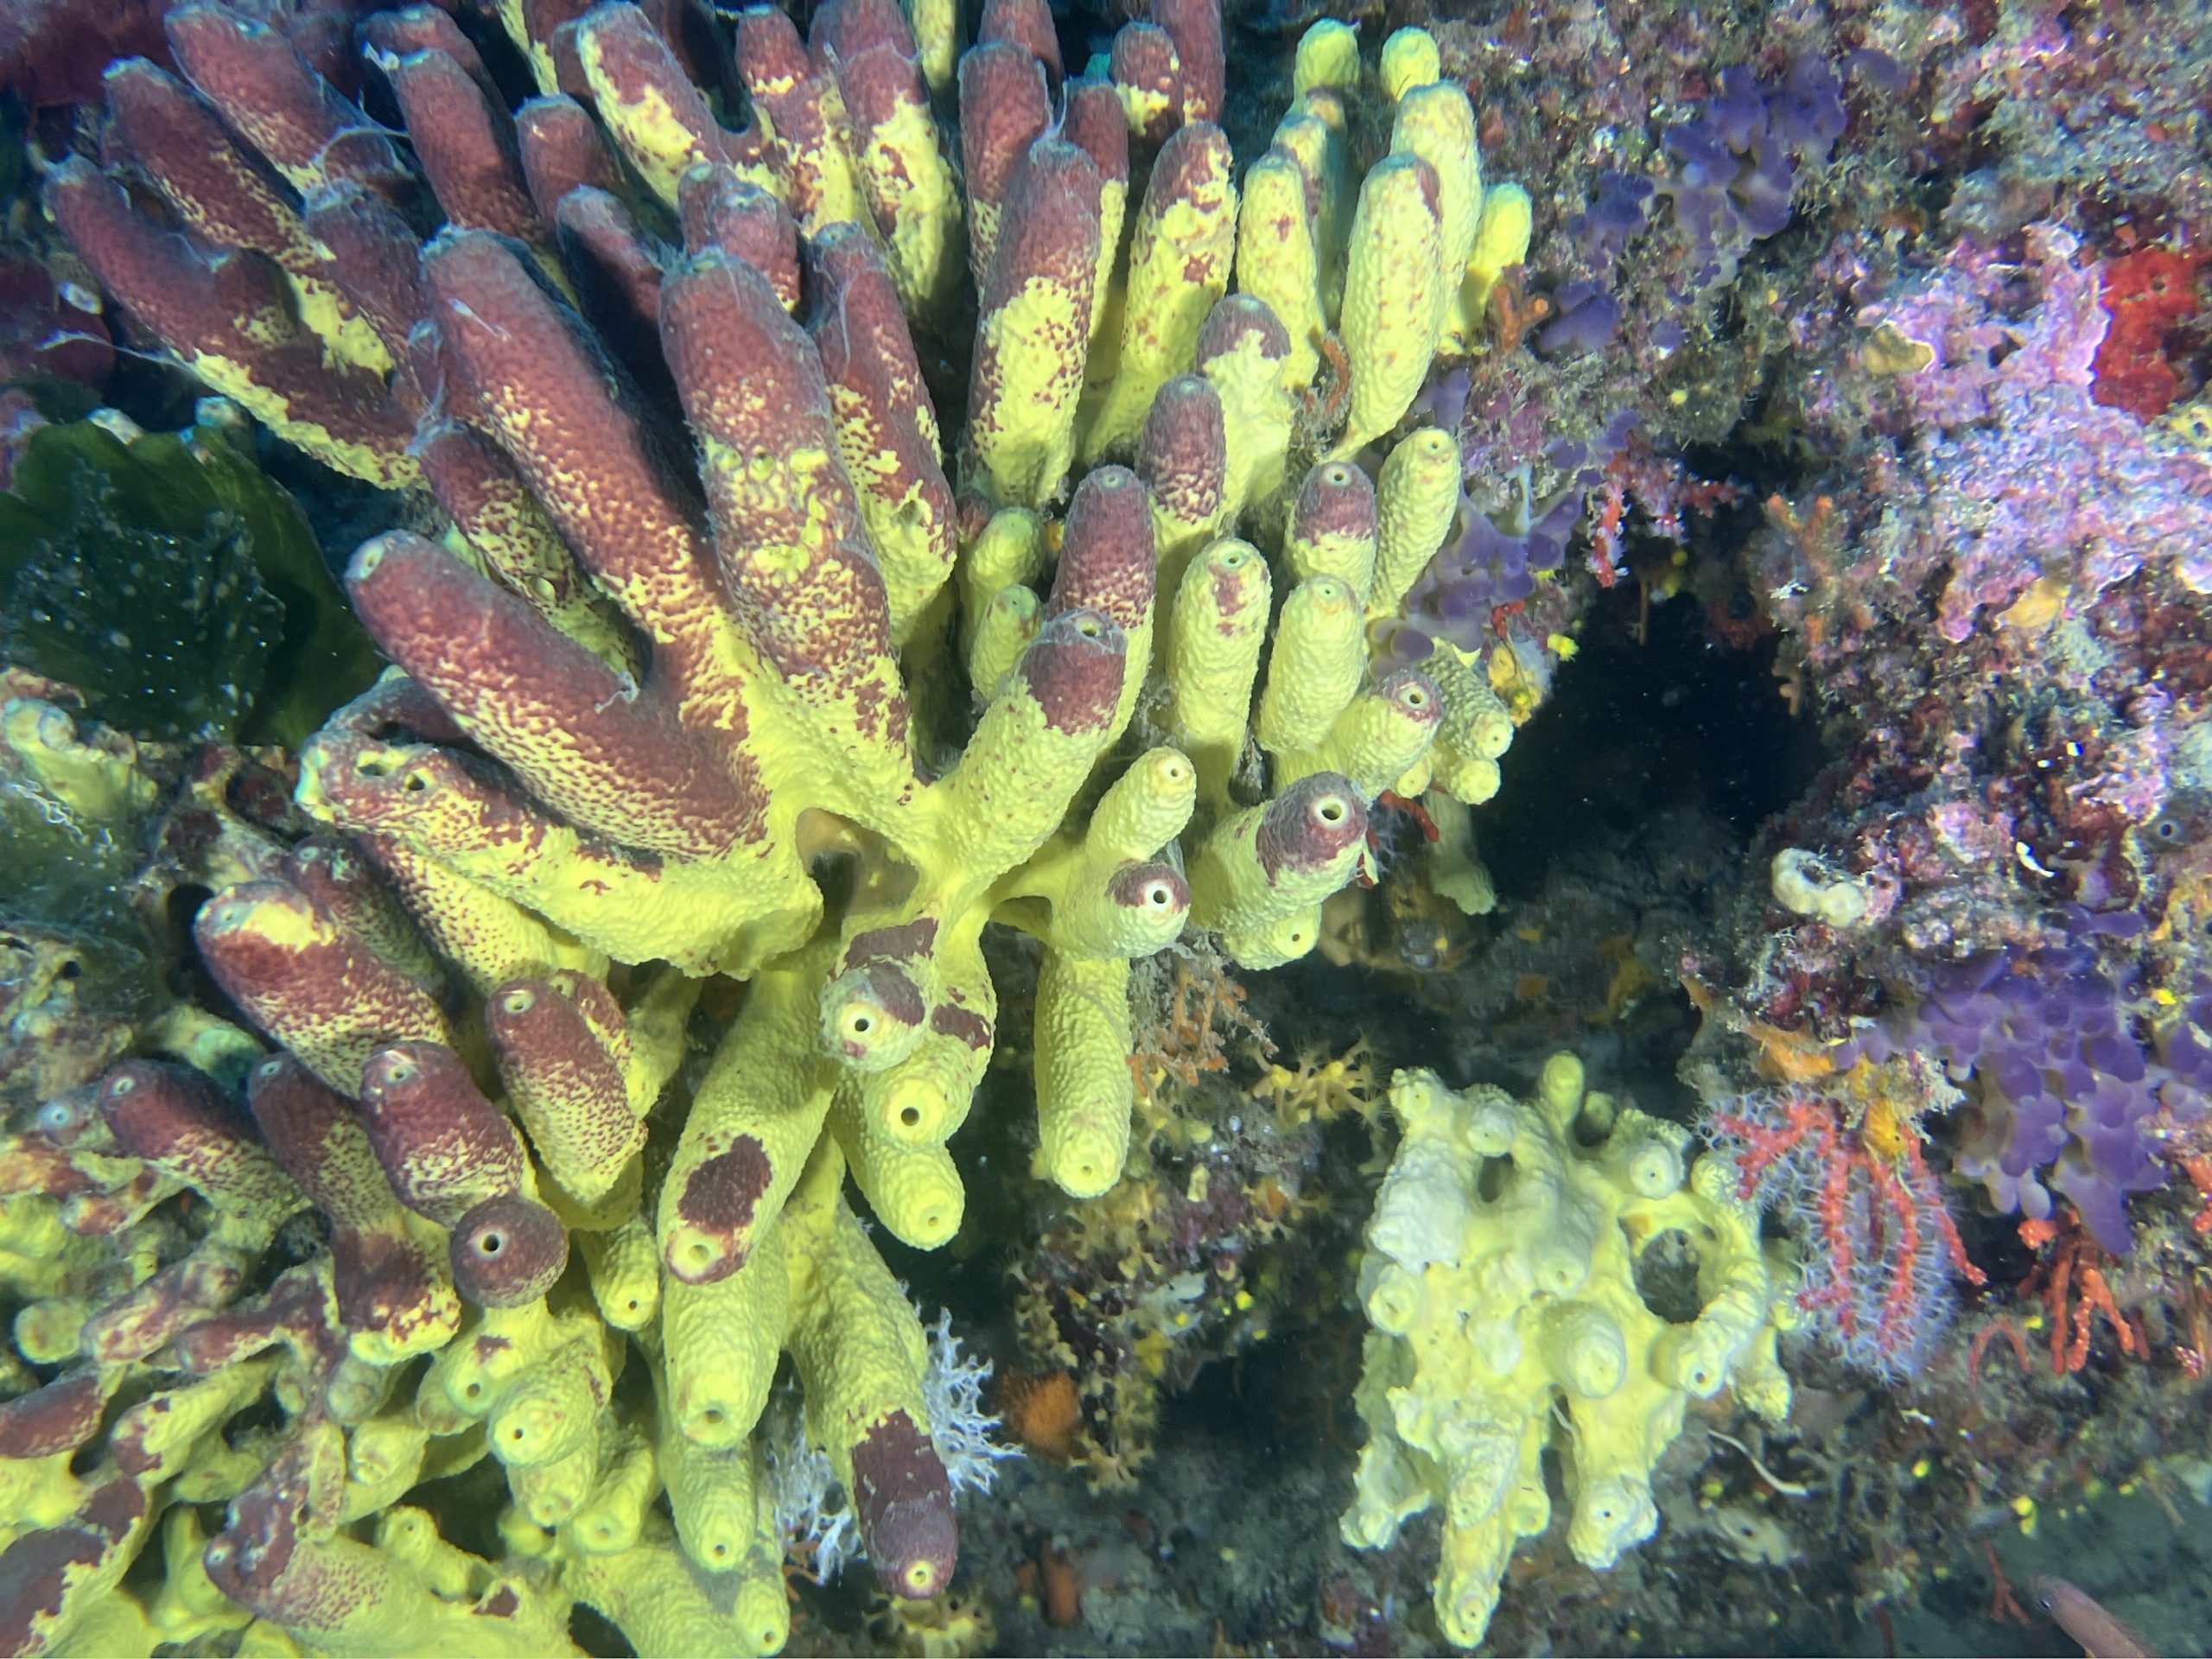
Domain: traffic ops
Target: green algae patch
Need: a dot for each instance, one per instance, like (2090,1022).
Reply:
(174,585)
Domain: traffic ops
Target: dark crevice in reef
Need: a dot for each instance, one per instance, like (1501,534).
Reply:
(1634,729)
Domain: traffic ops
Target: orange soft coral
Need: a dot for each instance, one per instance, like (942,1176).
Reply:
(2070,1281)
(1044,1412)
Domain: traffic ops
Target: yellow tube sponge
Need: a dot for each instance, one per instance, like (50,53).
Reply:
(915,1191)
(1500,1278)
(467,1380)
(664,1605)
(1002,632)
(1415,499)
(504,523)
(1328,56)
(1393,294)
(547,1428)
(1245,352)
(1314,666)
(912,1015)
(1436,123)
(1010,549)
(886,430)
(922,1099)
(1145,810)
(1410,58)
(336,1594)
(912,192)
(1333,528)
(875,1011)
(1383,733)
(758,1112)
(574,1079)
(657,117)
(1031,327)
(1453,869)
(1272,862)
(1180,255)
(862,1356)
(1093,120)
(309,981)
(1476,729)
(491,938)
(1215,634)
(702,916)
(189,1608)
(1312,135)
(1278,262)
(800,121)
(1108,565)
(1085,1088)
(623,1264)
(384,1461)
(1035,743)
(1097,894)
(614,1518)
(935,24)
(787,520)
(1183,458)
(1501,241)
(1121,911)
(1277,942)
(714,1496)
(721,1342)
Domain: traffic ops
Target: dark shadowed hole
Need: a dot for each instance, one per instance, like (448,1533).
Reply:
(1634,731)
(592,1632)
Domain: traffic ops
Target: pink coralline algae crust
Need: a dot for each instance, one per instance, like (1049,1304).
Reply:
(2009,471)
(1996,586)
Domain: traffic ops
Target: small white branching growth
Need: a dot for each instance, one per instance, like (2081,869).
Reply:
(953,1389)
(813,1511)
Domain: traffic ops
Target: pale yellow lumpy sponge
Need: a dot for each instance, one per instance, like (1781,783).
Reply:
(1500,1278)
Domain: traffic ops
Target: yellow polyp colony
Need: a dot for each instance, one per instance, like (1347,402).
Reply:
(637,736)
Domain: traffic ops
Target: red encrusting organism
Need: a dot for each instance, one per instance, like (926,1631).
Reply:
(2148,294)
